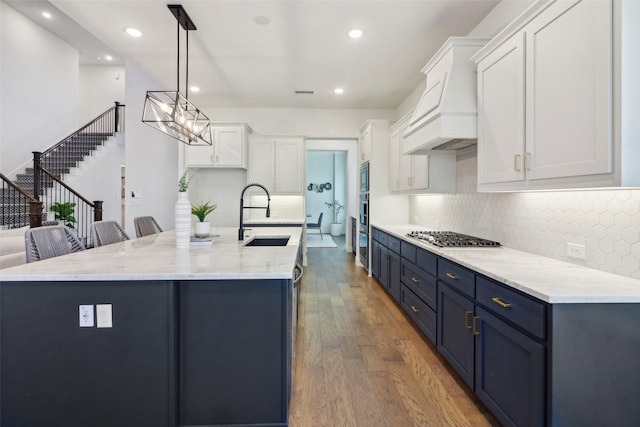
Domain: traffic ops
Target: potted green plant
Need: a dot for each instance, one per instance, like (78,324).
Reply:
(337,228)
(202,228)
(64,212)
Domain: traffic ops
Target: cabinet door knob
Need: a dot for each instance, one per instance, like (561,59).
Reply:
(500,302)
(467,319)
(527,165)
(414,280)
(414,309)
(475,325)
(452,276)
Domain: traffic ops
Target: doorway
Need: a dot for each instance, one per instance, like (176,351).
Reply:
(331,178)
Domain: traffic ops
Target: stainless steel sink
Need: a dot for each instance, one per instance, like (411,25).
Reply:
(267,241)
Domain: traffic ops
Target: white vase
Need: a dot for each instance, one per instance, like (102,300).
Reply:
(183,220)
(337,229)
(202,229)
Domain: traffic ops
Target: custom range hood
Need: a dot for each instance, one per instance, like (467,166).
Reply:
(445,117)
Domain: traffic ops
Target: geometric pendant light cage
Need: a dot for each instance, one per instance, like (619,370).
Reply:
(169,111)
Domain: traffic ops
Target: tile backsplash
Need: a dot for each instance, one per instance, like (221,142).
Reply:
(606,222)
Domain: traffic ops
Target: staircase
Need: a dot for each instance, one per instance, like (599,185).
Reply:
(63,158)
(58,161)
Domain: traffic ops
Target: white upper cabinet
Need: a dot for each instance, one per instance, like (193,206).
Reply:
(414,173)
(549,90)
(229,148)
(277,162)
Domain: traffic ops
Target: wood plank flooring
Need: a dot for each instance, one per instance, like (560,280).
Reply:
(360,362)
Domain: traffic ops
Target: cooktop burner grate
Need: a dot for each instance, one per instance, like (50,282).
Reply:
(450,239)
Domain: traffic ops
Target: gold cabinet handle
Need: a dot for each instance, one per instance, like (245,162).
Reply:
(452,276)
(475,325)
(527,166)
(414,280)
(516,162)
(414,309)
(500,302)
(467,319)
(410,181)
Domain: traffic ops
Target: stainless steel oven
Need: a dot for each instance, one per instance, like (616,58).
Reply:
(364,177)
(363,237)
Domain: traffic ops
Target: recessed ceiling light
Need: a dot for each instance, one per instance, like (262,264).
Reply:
(46,15)
(133,32)
(194,89)
(108,58)
(261,20)
(338,91)
(355,33)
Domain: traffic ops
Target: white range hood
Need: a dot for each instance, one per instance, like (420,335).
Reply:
(445,117)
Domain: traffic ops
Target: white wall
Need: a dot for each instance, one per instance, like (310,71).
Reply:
(38,89)
(311,123)
(100,87)
(151,159)
(607,222)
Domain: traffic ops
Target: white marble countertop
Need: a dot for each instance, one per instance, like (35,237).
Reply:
(545,278)
(155,257)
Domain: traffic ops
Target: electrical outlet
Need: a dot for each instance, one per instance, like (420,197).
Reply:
(104,316)
(576,251)
(86,316)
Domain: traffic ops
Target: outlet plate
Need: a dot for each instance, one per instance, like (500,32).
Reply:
(85,313)
(576,251)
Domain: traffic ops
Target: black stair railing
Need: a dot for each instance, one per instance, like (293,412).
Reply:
(18,207)
(84,213)
(66,154)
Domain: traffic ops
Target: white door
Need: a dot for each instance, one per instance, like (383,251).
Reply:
(261,162)
(289,161)
(229,146)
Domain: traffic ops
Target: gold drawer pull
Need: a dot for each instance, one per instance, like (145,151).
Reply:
(475,325)
(414,280)
(500,302)
(516,163)
(467,317)
(452,276)
(415,310)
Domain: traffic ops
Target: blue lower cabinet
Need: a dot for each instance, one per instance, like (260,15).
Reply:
(509,372)
(393,285)
(455,331)
(422,315)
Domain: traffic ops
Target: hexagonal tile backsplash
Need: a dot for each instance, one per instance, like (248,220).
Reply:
(607,222)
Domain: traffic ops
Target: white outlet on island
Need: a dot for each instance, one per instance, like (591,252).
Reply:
(104,316)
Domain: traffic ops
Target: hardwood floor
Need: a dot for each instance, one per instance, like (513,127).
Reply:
(360,362)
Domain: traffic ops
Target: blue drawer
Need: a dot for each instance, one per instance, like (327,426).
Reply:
(408,251)
(457,276)
(393,243)
(420,282)
(427,261)
(421,314)
(522,310)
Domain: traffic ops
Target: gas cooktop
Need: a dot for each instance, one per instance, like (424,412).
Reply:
(450,239)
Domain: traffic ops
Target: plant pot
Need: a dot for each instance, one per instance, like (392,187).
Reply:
(202,229)
(337,229)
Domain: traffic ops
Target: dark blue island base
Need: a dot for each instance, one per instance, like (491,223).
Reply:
(179,353)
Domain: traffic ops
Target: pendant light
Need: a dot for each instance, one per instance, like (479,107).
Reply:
(169,111)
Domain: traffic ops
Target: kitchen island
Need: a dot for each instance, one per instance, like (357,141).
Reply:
(142,333)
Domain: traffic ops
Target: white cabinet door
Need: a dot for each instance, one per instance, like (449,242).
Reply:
(289,155)
(199,156)
(277,163)
(229,147)
(365,144)
(501,116)
(568,86)
(394,161)
(261,162)
(227,151)
(420,178)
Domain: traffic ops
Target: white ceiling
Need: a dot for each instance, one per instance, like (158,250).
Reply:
(239,63)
